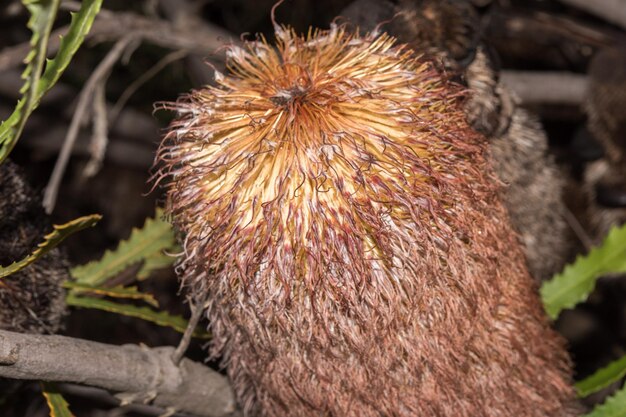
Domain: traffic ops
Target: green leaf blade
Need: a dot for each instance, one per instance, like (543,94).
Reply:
(43,14)
(51,240)
(143,245)
(602,378)
(79,28)
(56,403)
(578,280)
(162,318)
(131,293)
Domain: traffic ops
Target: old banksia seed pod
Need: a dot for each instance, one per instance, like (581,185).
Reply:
(343,221)
(31,300)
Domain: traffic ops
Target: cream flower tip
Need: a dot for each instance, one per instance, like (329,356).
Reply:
(310,128)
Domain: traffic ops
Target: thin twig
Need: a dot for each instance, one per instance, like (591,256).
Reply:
(197,308)
(130,123)
(99,397)
(186,15)
(45,135)
(145,77)
(101,72)
(578,229)
(100,134)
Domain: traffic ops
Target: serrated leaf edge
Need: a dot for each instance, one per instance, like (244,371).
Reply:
(120,258)
(602,378)
(616,401)
(563,287)
(51,240)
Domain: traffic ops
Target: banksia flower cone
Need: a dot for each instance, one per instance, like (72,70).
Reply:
(343,221)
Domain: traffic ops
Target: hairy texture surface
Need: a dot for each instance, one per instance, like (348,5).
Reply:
(449,31)
(534,184)
(534,195)
(342,217)
(31,300)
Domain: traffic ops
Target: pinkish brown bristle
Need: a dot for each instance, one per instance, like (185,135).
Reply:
(343,220)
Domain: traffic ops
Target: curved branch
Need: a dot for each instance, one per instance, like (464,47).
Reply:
(140,374)
(613,11)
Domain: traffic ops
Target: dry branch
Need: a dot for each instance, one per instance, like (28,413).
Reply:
(184,14)
(86,96)
(98,397)
(613,11)
(138,373)
(537,87)
(132,137)
(129,123)
(45,135)
(204,40)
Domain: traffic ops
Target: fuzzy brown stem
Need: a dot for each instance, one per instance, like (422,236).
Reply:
(139,373)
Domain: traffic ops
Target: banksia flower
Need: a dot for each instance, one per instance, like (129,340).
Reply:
(343,221)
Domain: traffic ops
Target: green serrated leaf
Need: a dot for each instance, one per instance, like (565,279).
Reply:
(115,292)
(602,378)
(57,404)
(614,406)
(162,318)
(51,240)
(43,13)
(79,28)
(578,280)
(150,241)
